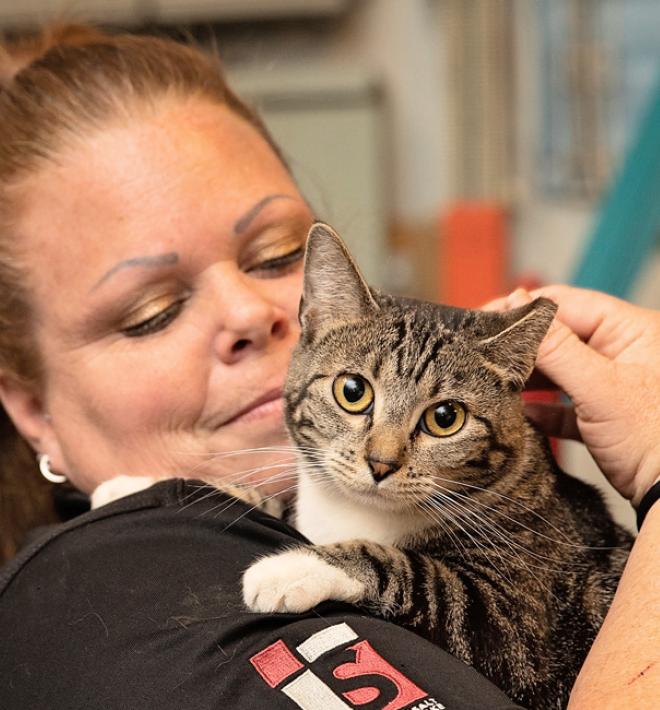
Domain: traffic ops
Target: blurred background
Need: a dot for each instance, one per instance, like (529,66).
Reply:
(461,147)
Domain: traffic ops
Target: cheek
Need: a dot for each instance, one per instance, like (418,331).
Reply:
(135,392)
(432,455)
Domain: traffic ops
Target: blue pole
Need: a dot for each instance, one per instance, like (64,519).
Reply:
(628,223)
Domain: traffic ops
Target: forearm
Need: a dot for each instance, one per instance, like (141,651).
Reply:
(622,669)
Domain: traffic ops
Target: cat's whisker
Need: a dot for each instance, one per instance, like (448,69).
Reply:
(253,507)
(217,458)
(237,477)
(229,499)
(467,500)
(216,489)
(241,476)
(196,489)
(477,526)
(289,474)
(513,554)
(504,536)
(294,449)
(437,516)
(489,491)
(455,519)
(458,511)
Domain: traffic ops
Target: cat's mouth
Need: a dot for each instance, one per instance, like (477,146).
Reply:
(385,495)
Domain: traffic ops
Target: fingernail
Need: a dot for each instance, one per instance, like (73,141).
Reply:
(519,297)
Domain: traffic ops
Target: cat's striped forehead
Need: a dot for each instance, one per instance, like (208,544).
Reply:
(408,342)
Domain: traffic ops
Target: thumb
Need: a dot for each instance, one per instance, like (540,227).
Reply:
(572,365)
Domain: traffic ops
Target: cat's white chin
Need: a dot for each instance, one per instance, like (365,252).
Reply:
(385,496)
(326,514)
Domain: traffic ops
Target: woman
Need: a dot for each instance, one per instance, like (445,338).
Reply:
(151,248)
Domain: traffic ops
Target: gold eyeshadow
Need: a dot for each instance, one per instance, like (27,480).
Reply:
(272,244)
(149,309)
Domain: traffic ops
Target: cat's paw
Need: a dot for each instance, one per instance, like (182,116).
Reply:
(119,487)
(296,581)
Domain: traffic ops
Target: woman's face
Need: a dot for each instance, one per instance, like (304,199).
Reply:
(165,264)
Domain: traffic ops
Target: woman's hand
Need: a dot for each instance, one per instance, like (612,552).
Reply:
(604,353)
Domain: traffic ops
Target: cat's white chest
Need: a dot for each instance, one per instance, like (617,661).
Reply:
(326,516)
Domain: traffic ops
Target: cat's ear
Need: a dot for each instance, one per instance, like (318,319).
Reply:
(333,287)
(513,348)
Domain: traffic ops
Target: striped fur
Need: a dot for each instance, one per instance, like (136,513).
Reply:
(477,541)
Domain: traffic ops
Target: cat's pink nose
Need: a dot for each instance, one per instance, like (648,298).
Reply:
(381,468)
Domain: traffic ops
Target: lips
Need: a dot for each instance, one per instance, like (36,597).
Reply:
(269,402)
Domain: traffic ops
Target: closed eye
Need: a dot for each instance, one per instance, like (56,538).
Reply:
(156,322)
(272,268)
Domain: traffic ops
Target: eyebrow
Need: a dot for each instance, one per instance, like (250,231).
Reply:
(157,260)
(242,223)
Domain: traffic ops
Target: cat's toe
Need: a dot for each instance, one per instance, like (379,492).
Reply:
(295,582)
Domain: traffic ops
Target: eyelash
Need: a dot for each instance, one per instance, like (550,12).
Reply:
(280,263)
(155,323)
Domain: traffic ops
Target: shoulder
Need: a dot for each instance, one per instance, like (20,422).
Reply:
(138,604)
(160,520)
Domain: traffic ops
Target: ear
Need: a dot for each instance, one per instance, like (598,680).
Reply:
(513,348)
(333,287)
(25,408)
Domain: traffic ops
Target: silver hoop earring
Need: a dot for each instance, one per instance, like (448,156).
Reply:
(45,471)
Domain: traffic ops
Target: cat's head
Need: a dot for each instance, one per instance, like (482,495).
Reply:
(392,400)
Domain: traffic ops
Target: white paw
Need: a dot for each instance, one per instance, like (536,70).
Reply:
(296,581)
(119,487)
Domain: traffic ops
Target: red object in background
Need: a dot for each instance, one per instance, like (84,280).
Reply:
(529,282)
(549,397)
(473,253)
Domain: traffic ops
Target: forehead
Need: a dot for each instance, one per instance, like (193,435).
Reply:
(180,169)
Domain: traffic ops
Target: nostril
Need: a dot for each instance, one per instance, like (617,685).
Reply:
(240,345)
(277,328)
(381,468)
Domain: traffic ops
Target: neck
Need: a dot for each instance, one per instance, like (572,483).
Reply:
(326,515)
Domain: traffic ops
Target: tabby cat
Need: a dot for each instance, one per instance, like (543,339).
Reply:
(430,498)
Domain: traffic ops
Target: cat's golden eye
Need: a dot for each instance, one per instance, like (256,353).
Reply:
(443,419)
(353,393)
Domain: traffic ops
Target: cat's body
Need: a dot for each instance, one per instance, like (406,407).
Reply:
(509,594)
(431,499)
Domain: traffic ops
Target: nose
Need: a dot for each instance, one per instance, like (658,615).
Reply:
(381,468)
(251,321)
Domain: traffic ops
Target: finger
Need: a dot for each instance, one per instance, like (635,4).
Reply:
(563,358)
(497,304)
(585,311)
(554,419)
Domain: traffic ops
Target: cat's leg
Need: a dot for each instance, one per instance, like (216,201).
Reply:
(466,607)
(296,580)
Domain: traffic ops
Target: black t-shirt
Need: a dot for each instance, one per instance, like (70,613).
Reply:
(138,605)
